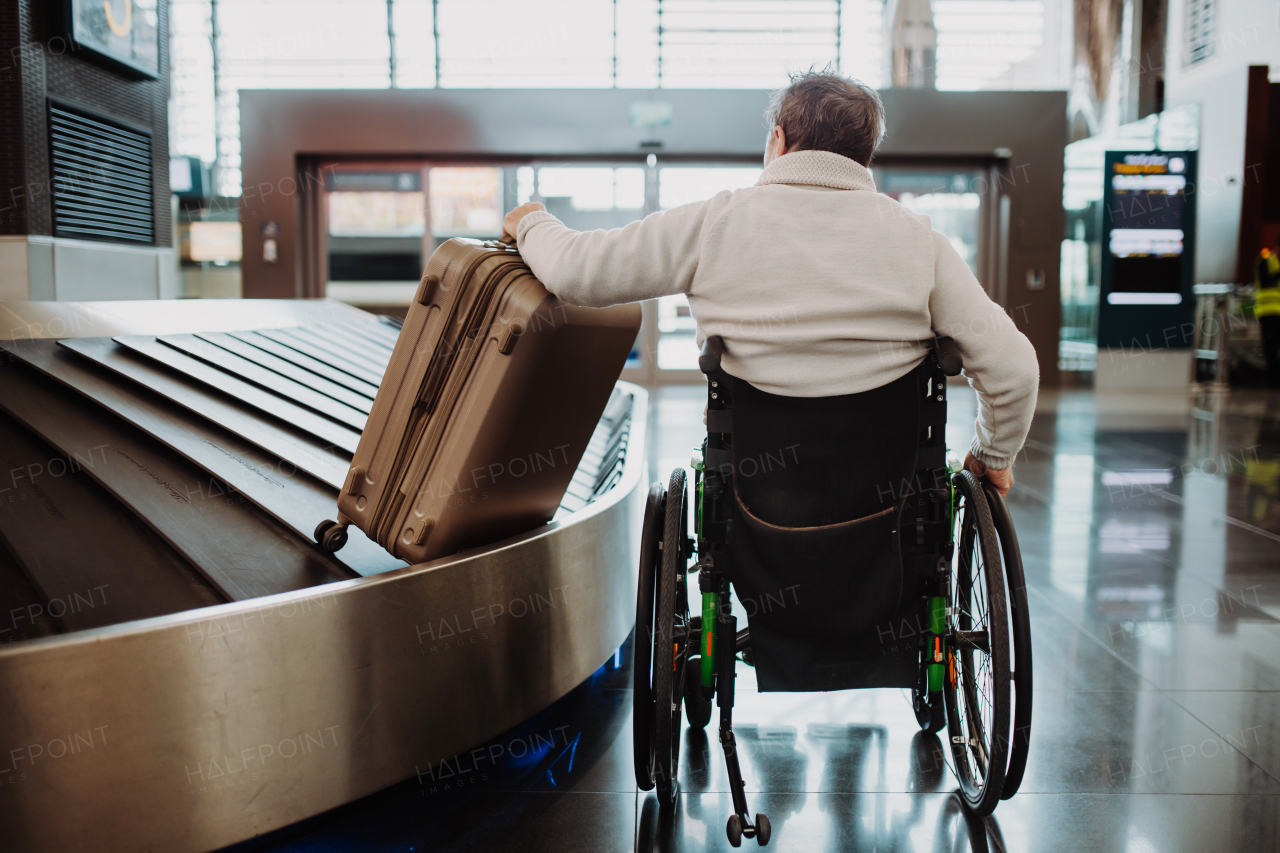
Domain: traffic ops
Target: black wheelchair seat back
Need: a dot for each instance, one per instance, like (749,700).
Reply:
(816,549)
(813,461)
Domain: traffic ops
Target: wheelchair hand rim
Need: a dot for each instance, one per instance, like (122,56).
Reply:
(642,686)
(977,684)
(668,654)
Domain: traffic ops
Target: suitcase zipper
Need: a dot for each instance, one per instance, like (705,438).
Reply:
(432,431)
(385,527)
(389,510)
(430,389)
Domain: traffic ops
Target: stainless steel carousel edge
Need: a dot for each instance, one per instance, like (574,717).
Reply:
(193,731)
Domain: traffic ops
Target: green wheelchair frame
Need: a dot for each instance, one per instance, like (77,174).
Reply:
(972,598)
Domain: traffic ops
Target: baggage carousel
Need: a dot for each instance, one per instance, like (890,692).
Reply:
(181,667)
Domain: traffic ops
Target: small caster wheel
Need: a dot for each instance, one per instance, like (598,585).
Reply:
(734,830)
(331,535)
(931,715)
(938,716)
(762,829)
(334,539)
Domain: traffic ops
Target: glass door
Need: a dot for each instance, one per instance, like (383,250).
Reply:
(374,223)
(382,222)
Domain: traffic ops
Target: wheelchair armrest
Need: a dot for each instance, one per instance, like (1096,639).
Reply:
(948,356)
(709,359)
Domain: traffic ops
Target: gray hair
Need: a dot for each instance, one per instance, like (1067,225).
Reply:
(823,111)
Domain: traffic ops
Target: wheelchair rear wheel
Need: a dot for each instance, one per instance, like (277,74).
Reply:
(1020,635)
(977,689)
(641,672)
(670,645)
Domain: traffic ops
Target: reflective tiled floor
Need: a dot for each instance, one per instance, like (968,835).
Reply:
(1150,530)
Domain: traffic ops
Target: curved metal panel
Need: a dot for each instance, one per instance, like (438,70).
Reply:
(197,730)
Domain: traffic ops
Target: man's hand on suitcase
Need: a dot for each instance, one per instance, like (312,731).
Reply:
(1001,478)
(511,222)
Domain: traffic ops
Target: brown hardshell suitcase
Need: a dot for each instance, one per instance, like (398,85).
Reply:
(491,396)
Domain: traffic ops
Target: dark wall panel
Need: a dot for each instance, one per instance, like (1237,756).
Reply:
(43,65)
(12,214)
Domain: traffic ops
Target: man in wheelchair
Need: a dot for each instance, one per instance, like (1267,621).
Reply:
(829,317)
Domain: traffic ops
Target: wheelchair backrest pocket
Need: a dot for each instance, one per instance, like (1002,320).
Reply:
(829,583)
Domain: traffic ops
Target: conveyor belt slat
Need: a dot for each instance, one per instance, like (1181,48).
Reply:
(93,561)
(337,435)
(335,349)
(244,552)
(289,370)
(295,447)
(306,362)
(307,346)
(291,497)
(265,379)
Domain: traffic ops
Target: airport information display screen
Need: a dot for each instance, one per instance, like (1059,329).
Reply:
(1148,230)
(125,32)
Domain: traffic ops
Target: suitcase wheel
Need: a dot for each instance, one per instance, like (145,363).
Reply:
(331,535)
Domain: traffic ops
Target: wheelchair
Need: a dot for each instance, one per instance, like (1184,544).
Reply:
(923,589)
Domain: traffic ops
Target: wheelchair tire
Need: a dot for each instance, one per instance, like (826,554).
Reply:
(977,690)
(641,671)
(960,829)
(1020,634)
(668,655)
(697,710)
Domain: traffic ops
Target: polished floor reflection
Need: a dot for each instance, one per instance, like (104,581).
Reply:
(1150,531)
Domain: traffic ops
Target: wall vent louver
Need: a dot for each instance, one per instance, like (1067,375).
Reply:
(101,179)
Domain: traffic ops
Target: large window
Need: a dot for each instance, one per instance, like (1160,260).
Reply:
(191,120)
(265,44)
(1000,44)
(746,44)
(220,47)
(568,43)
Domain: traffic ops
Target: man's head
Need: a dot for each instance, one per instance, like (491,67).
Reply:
(821,111)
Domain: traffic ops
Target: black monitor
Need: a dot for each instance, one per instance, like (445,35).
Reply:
(1148,238)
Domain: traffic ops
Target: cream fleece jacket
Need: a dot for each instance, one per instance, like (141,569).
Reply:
(818,284)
